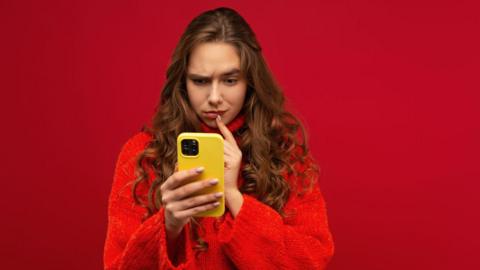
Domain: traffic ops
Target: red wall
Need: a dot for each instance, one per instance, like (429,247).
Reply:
(388,91)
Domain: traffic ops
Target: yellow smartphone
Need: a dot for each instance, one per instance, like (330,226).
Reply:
(196,149)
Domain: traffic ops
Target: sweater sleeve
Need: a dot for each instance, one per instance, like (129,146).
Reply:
(130,243)
(259,238)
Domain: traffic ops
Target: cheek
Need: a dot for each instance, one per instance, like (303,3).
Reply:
(195,102)
(194,98)
(237,97)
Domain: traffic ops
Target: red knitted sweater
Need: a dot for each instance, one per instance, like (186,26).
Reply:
(257,238)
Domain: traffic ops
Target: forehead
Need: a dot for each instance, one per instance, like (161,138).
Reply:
(210,59)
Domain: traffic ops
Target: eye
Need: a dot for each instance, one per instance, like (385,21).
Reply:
(231,81)
(199,81)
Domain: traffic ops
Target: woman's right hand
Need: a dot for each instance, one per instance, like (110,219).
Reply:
(179,203)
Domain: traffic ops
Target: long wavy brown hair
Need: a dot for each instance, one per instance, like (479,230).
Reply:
(272,139)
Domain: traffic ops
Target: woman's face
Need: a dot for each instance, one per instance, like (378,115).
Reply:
(214,83)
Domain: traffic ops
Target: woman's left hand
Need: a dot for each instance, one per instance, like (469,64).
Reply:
(233,160)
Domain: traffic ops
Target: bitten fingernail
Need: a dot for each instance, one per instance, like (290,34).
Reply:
(199,169)
(218,194)
(213,182)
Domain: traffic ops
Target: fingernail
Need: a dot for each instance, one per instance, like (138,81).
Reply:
(219,117)
(199,169)
(218,194)
(213,182)
(216,203)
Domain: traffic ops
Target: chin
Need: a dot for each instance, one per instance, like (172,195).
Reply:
(213,123)
(209,122)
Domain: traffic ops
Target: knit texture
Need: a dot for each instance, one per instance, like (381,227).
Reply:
(257,238)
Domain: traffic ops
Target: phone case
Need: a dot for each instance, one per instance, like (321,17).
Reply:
(210,156)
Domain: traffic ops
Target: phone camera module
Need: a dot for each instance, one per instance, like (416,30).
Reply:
(189,147)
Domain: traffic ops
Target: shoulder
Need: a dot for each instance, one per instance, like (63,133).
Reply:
(138,140)
(126,161)
(124,174)
(133,146)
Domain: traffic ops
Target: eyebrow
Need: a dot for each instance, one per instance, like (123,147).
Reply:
(231,72)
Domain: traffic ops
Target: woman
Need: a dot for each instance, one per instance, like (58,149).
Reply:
(219,82)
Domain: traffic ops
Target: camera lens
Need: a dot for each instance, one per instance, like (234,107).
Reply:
(189,147)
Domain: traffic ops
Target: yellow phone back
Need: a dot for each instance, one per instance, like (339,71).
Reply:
(210,156)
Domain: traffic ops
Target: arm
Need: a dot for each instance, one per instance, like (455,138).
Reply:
(131,244)
(258,237)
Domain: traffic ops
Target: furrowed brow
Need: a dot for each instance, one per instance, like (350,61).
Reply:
(234,71)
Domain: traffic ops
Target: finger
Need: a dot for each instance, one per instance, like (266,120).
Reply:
(188,189)
(196,201)
(180,177)
(232,152)
(225,131)
(228,148)
(193,211)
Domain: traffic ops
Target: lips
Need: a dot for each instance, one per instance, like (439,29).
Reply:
(213,114)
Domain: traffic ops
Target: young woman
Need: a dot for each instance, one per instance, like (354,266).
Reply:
(276,218)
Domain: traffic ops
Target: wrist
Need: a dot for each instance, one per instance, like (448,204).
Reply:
(172,234)
(233,201)
(232,192)
(172,230)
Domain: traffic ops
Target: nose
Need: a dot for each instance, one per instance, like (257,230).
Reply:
(215,96)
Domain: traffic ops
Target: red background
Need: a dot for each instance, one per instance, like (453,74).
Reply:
(388,91)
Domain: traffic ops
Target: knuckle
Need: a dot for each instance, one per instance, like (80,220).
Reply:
(164,200)
(176,215)
(194,201)
(183,191)
(162,187)
(169,208)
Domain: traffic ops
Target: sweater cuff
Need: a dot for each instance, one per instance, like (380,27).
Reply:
(254,216)
(164,260)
